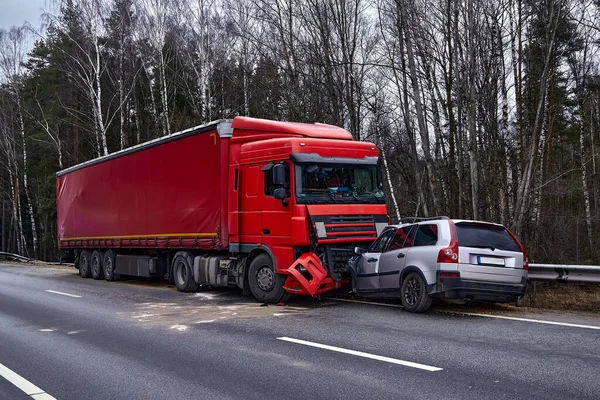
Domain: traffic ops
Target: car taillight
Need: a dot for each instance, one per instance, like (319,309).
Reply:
(525,259)
(450,254)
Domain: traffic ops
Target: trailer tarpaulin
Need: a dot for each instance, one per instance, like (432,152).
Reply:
(168,191)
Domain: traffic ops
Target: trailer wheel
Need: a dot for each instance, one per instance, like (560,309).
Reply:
(183,273)
(108,264)
(84,264)
(96,265)
(266,285)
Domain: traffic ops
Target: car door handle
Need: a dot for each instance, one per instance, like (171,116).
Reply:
(371,260)
(401,255)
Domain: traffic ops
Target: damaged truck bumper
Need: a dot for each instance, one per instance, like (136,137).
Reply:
(308,276)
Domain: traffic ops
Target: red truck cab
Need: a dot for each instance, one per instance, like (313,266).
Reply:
(275,208)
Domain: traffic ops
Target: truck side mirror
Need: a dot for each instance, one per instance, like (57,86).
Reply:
(280,193)
(278,175)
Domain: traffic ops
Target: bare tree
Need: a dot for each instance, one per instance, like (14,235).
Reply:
(12,56)
(155,17)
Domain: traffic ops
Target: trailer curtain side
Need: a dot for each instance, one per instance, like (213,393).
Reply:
(168,194)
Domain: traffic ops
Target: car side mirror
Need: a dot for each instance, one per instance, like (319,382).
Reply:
(360,250)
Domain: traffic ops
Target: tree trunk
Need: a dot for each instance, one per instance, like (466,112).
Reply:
(387,170)
(100,118)
(163,94)
(416,92)
(3,224)
(532,157)
(34,233)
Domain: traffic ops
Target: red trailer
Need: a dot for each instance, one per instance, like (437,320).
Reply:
(272,207)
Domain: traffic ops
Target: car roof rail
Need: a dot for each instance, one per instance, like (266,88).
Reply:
(407,220)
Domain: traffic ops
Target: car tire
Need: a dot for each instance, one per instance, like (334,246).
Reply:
(265,284)
(108,266)
(414,294)
(85,259)
(97,269)
(183,274)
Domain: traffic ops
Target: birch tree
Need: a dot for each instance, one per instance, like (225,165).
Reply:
(12,57)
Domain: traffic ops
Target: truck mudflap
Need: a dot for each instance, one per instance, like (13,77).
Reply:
(308,277)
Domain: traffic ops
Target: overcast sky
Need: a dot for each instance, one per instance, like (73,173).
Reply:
(16,12)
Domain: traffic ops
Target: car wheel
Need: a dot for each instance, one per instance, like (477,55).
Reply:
(414,294)
(96,264)
(84,264)
(183,273)
(265,284)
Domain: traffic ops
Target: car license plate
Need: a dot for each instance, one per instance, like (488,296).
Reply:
(490,260)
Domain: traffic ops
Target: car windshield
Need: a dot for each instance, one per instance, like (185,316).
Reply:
(338,183)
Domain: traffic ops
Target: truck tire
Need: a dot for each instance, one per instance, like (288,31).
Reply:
(97,268)
(266,285)
(183,274)
(414,294)
(108,266)
(85,260)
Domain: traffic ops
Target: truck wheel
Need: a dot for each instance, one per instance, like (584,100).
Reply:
(97,269)
(183,273)
(414,294)
(108,266)
(85,259)
(266,285)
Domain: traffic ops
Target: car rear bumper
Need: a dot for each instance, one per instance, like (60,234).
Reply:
(457,288)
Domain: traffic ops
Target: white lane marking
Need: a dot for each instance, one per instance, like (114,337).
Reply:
(62,293)
(27,387)
(537,321)
(42,396)
(362,354)
(180,328)
(46,330)
(205,321)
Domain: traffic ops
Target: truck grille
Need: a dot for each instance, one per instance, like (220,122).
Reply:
(347,228)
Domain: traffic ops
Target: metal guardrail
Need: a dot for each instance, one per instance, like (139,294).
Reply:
(564,273)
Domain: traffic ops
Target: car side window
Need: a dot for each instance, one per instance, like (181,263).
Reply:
(426,235)
(402,238)
(381,243)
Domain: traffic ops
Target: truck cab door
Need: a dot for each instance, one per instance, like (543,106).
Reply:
(367,277)
(276,214)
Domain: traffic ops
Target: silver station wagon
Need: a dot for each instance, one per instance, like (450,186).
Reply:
(444,258)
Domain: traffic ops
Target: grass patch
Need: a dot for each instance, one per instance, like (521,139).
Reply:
(563,296)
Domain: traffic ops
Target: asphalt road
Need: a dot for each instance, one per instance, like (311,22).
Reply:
(127,340)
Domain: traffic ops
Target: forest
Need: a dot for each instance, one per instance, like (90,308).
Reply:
(481,109)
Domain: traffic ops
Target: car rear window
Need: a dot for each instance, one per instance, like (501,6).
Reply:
(481,235)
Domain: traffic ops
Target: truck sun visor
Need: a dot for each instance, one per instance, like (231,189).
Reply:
(317,158)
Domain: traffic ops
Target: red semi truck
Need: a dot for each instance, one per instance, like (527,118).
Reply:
(275,208)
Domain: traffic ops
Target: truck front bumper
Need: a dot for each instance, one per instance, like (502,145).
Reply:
(307,276)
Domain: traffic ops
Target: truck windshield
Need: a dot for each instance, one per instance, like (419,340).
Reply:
(338,183)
